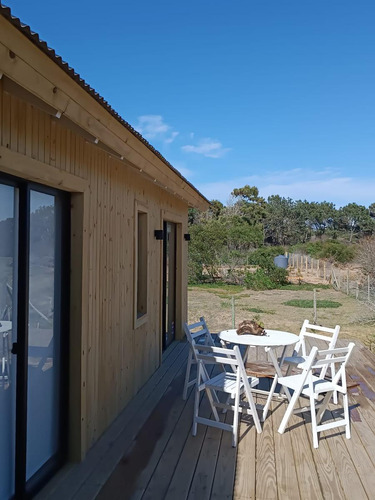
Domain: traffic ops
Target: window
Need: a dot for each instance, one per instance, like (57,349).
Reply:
(141,266)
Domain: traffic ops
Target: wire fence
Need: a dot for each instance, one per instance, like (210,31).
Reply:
(351,281)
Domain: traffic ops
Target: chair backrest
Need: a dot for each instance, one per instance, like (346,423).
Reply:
(317,332)
(313,333)
(336,358)
(198,333)
(222,356)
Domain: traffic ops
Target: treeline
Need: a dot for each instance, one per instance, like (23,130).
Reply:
(226,236)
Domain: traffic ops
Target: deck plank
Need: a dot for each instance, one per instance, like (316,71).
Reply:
(266,485)
(179,486)
(244,485)
(308,479)
(222,488)
(287,481)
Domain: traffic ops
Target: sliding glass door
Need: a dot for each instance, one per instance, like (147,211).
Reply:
(8,335)
(34,244)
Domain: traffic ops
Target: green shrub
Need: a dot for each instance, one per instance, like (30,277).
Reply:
(329,249)
(264,256)
(309,304)
(305,286)
(266,278)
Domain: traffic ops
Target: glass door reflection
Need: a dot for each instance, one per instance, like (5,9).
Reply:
(8,317)
(43,399)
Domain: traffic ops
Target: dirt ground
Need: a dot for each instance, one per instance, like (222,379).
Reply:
(357,321)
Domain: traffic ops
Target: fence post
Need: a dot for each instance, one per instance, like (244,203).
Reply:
(324,270)
(347,282)
(315,310)
(357,291)
(233,314)
(318,267)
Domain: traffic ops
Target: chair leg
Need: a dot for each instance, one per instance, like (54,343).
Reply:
(346,416)
(196,410)
(335,398)
(235,419)
(323,407)
(269,399)
(212,398)
(313,421)
(253,410)
(288,412)
(187,376)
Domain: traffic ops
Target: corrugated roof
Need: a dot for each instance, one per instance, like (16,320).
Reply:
(42,45)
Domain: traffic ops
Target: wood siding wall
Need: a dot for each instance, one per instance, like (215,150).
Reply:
(118,358)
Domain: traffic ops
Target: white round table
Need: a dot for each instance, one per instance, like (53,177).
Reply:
(272,338)
(270,341)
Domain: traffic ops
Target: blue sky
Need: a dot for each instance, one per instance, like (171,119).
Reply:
(279,94)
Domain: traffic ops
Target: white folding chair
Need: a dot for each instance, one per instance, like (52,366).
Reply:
(308,335)
(309,385)
(234,383)
(196,333)
(314,332)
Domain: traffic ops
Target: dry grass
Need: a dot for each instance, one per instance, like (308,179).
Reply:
(355,318)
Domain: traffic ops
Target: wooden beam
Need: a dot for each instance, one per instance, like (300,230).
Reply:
(33,170)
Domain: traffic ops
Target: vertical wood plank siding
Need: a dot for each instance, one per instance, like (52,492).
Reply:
(119,358)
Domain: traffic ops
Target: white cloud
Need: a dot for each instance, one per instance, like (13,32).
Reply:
(207,147)
(151,126)
(154,127)
(299,184)
(172,137)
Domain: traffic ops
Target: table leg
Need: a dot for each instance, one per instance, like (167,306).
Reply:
(273,357)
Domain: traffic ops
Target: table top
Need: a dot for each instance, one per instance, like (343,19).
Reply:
(272,338)
(5,326)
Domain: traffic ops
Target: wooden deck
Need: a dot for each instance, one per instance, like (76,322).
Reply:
(149,452)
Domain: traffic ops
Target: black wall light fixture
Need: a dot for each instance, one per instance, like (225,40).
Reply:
(187,237)
(159,234)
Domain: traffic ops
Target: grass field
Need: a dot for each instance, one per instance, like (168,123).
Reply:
(357,321)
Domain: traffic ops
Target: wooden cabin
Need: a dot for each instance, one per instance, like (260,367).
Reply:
(93,261)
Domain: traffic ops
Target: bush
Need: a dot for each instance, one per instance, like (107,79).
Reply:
(309,304)
(330,249)
(264,256)
(267,278)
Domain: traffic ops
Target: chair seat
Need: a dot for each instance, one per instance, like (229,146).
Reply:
(226,382)
(296,360)
(320,385)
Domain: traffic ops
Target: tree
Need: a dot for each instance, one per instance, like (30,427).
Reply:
(366,255)
(355,219)
(251,206)
(241,235)
(205,249)
(281,224)
(216,208)
(371,210)
(320,216)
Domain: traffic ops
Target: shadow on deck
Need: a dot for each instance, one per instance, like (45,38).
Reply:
(149,452)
